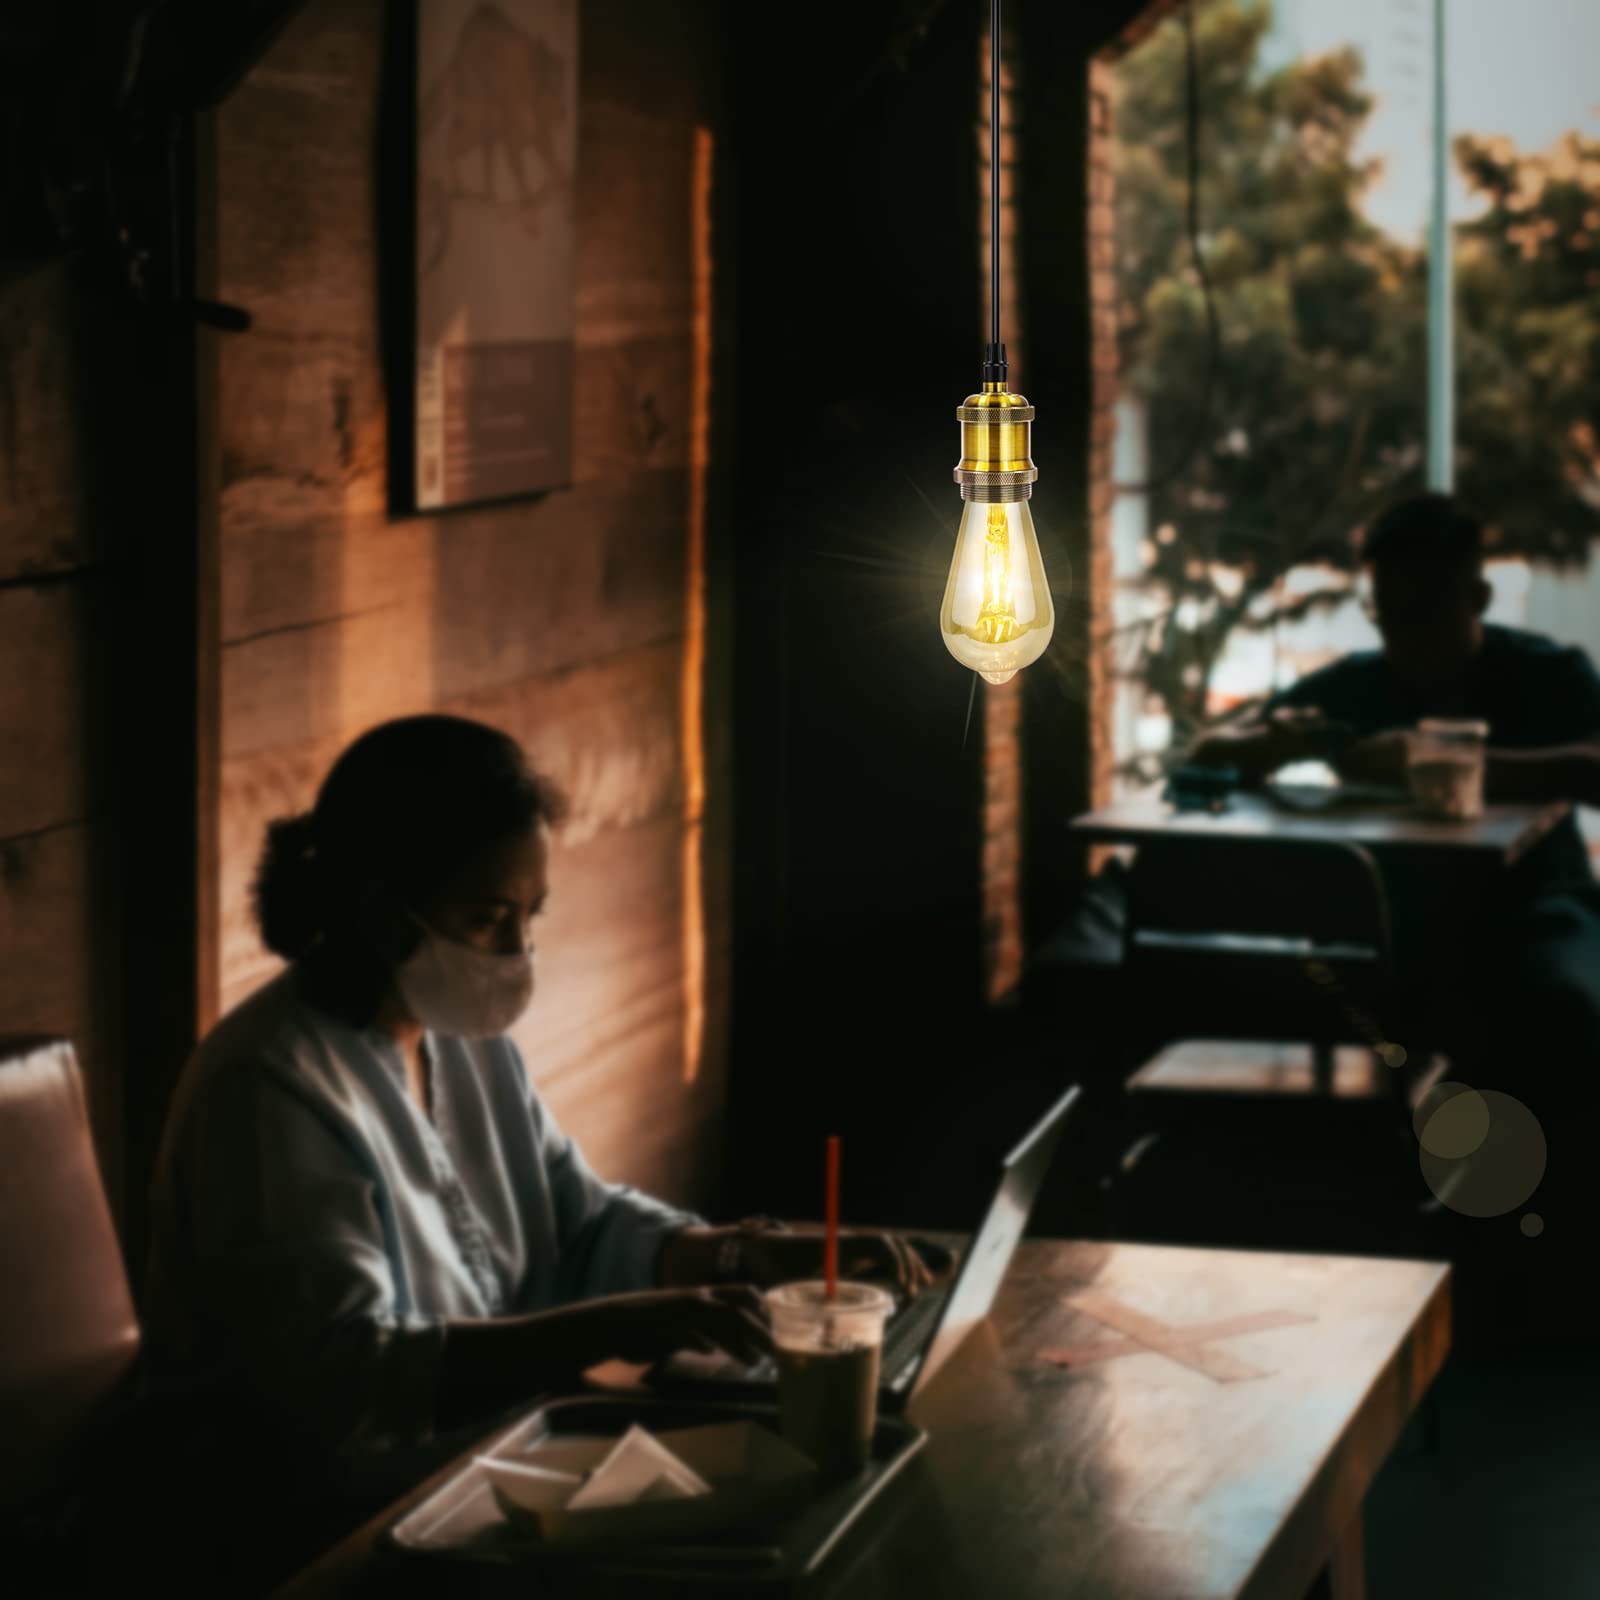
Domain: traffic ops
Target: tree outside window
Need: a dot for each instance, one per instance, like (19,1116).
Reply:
(1250,461)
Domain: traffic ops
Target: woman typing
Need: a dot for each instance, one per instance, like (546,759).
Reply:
(369,1231)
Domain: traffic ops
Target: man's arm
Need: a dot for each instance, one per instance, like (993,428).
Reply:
(1560,772)
(1564,764)
(1262,743)
(1238,744)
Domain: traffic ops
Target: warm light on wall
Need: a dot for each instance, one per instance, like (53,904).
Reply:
(694,651)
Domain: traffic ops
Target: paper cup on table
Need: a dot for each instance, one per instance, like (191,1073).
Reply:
(828,1354)
(1446,760)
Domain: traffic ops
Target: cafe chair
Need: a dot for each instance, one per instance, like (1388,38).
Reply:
(69,1336)
(1264,978)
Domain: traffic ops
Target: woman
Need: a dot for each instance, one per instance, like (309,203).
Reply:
(369,1231)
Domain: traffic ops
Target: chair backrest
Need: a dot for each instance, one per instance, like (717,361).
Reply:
(1301,900)
(69,1336)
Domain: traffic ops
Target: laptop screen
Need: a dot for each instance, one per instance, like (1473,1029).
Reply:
(984,1265)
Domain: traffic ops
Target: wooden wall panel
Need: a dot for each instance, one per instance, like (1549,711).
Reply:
(632,405)
(562,618)
(605,731)
(302,428)
(285,687)
(574,578)
(396,615)
(46,521)
(609,948)
(284,570)
(47,632)
(633,187)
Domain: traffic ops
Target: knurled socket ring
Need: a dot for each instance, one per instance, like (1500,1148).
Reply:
(1004,495)
(968,478)
(994,416)
(996,488)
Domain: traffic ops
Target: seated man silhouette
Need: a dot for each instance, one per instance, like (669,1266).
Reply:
(1534,952)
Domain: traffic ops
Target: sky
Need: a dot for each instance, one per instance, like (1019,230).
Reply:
(1526,68)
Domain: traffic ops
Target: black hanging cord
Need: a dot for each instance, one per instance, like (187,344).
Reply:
(994,355)
(994,171)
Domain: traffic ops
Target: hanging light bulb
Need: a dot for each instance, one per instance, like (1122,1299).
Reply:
(997,615)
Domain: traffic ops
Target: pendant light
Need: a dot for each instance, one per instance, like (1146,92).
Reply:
(997,616)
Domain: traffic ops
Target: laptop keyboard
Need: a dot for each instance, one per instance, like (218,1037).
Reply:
(908,1329)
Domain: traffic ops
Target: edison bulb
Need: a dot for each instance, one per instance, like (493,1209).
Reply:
(997,616)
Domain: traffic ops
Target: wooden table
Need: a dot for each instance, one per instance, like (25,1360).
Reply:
(1500,837)
(1221,1464)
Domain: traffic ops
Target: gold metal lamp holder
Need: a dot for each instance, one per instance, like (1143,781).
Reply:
(996,463)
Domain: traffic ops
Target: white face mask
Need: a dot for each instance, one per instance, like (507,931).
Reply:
(452,988)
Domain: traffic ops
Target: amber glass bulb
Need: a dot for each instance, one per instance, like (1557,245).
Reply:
(997,616)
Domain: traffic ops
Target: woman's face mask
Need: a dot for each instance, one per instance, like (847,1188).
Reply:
(452,988)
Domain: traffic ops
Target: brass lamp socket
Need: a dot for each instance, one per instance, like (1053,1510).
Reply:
(996,446)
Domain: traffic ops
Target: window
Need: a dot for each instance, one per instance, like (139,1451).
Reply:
(1274,388)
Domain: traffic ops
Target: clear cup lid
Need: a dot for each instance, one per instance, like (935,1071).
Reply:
(812,1296)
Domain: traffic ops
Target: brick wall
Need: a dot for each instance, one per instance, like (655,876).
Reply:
(1002,702)
(1102,433)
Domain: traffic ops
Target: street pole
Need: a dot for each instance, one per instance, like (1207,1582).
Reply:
(1441,297)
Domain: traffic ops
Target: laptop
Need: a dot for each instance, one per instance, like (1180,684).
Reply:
(922,1335)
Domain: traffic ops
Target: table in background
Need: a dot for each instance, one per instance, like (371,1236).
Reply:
(1439,876)
(1500,837)
(1134,1477)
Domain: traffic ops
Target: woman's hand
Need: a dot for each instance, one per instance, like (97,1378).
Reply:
(657,1322)
(493,1362)
(887,1257)
(775,1254)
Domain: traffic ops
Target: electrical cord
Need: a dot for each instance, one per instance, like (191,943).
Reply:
(994,172)
(1202,419)
(994,354)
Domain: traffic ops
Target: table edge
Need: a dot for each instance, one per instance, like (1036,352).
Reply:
(1414,1364)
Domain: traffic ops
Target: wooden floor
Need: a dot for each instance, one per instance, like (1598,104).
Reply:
(1505,1508)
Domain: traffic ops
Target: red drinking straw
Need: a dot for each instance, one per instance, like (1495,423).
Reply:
(830,1254)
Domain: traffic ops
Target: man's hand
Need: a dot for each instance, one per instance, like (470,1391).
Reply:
(1260,745)
(1382,758)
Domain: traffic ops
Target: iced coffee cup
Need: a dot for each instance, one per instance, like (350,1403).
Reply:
(1446,762)
(828,1356)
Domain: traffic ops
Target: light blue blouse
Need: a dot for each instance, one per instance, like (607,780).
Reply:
(313,1230)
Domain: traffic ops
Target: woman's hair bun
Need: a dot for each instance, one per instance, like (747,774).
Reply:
(290,900)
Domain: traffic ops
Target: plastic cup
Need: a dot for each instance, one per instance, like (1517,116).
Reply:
(1445,765)
(828,1354)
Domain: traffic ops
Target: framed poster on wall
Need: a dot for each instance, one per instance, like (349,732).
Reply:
(493,249)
